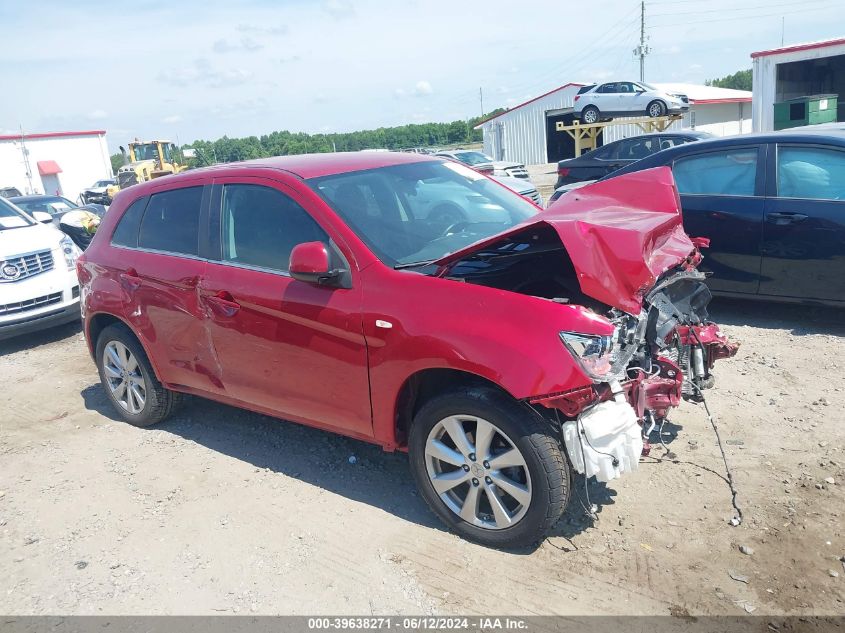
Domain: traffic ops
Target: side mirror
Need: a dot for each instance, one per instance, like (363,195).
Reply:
(42,216)
(309,262)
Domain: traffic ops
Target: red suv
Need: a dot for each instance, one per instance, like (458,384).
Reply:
(410,302)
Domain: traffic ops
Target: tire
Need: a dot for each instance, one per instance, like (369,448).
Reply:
(158,403)
(542,479)
(656,109)
(590,114)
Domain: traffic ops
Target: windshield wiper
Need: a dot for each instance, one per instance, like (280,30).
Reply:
(414,264)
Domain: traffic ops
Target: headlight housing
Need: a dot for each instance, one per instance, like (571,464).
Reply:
(70,251)
(593,352)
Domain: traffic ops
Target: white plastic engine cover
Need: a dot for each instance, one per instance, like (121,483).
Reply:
(611,427)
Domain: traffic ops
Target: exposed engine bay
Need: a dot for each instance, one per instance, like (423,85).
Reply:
(653,359)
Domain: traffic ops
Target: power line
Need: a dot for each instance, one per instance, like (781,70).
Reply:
(734,18)
(759,6)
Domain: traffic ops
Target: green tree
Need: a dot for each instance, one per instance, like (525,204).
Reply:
(283,142)
(116,162)
(740,80)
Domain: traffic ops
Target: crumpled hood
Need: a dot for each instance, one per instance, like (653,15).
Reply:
(621,234)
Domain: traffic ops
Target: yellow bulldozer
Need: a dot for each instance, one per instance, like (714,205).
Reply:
(144,161)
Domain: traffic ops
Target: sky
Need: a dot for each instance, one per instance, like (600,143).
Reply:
(202,69)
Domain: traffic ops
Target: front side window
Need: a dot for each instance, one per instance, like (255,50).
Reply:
(421,212)
(261,226)
(725,173)
(814,173)
(171,222)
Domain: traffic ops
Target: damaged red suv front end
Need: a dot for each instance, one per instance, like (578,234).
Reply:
(636,269)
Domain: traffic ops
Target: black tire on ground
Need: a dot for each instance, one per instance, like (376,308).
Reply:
(590,115)
(547,464)
(160,402)
(656,109)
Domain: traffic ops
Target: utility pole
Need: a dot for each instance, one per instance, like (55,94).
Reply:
(782,28)
(25,153)
(642,50)
(481,100)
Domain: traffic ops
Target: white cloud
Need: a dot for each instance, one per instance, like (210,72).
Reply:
(245,44)
(279,29)
(173,118)
(399,93)
(202,72)
(423,88)
(339,9)
(98,115)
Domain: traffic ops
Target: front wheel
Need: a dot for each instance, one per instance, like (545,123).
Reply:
(590,115)
(656,109)
(489,467)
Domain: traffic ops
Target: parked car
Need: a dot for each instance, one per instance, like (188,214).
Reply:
(485,164)
(606,159)
(625,98)
(565,189)
(56,206)
(773,206)
(522,187)
(9,192)
(98,192)
(306,287)
(38,285)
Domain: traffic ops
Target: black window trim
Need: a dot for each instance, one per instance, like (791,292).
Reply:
(774,185)
(759,177)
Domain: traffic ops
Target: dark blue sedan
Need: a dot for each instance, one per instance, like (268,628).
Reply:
(773,206)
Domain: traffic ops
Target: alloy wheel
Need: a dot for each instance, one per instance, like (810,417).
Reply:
(124,377)
(478,472)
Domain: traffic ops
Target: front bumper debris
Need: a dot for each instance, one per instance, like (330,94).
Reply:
(605,441)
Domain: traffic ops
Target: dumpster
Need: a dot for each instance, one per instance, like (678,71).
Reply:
(808,110)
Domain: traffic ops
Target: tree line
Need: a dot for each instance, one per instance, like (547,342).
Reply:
(283,143)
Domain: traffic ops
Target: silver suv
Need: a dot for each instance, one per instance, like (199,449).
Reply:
(626,98)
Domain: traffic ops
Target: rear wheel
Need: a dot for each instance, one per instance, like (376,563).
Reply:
(590,115)
(128,378)
(656,109)
(488,467)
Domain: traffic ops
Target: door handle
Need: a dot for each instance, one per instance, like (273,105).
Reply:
(223,304)
(785,217)
(129,280)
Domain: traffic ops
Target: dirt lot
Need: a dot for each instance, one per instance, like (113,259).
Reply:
(223,511)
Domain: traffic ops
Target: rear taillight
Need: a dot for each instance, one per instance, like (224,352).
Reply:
(576,98)
(563,171)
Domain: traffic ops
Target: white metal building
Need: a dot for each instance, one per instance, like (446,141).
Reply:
(526,133)
(61,163)
(796,71)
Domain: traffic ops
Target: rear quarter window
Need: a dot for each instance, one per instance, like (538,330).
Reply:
(126,231)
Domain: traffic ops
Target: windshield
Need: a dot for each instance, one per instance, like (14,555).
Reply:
(471,158)
(647,86)
(12,218)
(408,214)
(146,151)
(49,204)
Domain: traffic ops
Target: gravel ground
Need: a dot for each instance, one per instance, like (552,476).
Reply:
(224,511)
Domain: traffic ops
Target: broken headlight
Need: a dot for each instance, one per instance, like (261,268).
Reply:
(593,352)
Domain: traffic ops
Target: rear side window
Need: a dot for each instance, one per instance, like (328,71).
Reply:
(261,226)
(811,173)
(126,232)
(726,173)
(171,221)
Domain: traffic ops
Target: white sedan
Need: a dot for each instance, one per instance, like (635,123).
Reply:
(619,98)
